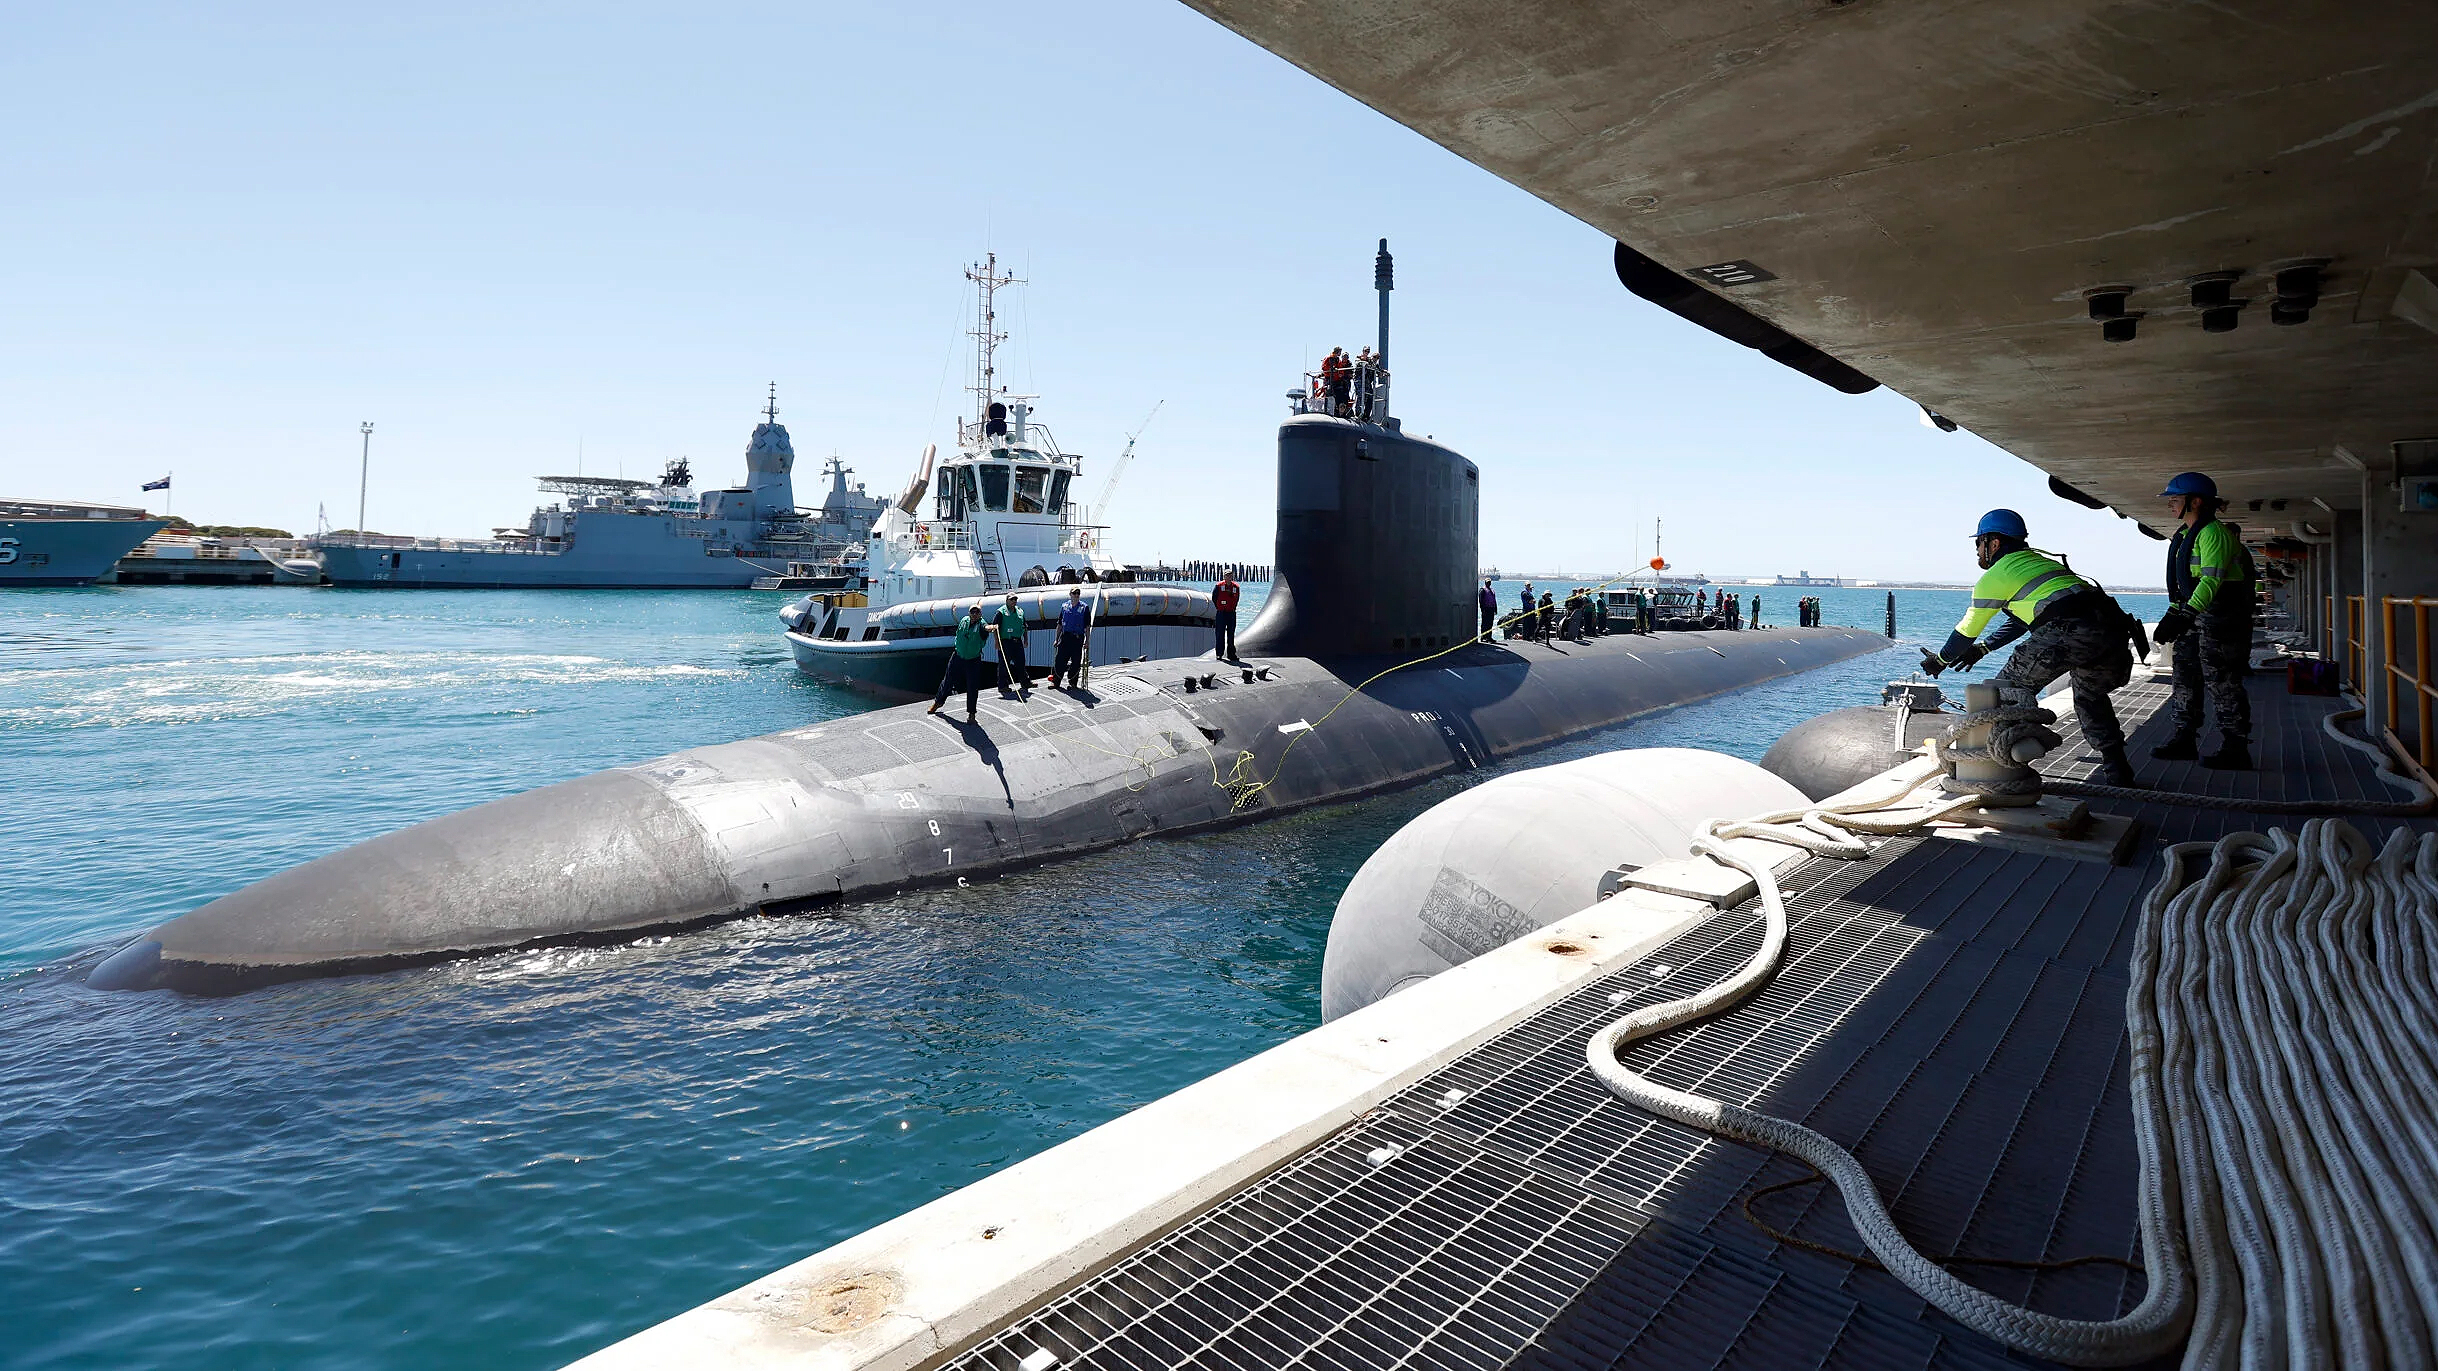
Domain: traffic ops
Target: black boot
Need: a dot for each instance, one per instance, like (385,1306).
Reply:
(2233,754)
(2179,748)
(2114,769)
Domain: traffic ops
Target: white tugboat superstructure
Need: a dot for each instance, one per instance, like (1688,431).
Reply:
(1004,514)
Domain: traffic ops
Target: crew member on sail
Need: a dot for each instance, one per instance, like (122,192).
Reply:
(2209,587)
(2073,626)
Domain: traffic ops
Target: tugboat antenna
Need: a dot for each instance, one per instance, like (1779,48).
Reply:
(985,332)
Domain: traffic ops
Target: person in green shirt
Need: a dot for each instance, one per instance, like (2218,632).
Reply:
(965,670)
(1009,628)
(2068,624)
(2209,592)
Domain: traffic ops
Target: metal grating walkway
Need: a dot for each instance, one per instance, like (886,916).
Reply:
(1507,1207)
(1952,1012)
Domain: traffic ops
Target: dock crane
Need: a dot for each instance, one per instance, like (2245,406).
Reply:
(1100,507)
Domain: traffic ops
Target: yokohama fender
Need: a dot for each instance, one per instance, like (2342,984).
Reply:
(1518,853)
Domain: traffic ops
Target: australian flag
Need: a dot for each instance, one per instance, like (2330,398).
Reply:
(162,484)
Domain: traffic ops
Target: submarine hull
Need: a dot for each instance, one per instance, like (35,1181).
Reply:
(895,799)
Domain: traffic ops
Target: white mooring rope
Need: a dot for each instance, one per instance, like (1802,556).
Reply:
(2282,1023)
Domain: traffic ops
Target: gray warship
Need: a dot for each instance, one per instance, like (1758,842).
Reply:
(611,533)
(58,543)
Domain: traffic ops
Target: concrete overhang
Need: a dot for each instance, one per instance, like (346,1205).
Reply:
(1932,188)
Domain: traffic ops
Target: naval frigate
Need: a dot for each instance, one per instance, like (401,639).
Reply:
(620,534)
(56,543)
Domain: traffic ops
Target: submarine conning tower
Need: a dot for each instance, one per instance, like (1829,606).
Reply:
(1378,532)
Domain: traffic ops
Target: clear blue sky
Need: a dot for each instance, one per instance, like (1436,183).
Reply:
(229,234)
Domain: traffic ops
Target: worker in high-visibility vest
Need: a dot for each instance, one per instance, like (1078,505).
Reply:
(2209,589)
(2067,623)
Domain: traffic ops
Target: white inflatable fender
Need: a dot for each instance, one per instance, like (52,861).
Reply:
(1518,853)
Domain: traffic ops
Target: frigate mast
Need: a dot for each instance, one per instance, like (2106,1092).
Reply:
(985,332)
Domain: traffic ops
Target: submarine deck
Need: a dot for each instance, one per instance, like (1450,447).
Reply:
(1952,1011)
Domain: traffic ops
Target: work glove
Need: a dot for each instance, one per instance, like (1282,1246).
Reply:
(1967,657)
(2174,624)
(1932,664)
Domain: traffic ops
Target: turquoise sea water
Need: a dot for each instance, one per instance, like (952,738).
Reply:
(509,1161)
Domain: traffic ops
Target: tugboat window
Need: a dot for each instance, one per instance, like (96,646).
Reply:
(994,488)
(957,493)
(1031,484)
(1058,491)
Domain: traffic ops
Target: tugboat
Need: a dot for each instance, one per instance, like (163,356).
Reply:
(1004,519)
(620,534)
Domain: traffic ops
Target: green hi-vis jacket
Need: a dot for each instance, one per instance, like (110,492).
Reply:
(2023,584)
(2207,563)
(970,635)
(1010,624)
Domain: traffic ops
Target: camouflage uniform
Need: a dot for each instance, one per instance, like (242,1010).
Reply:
(2091,647)
(2216,653)
(2210,573)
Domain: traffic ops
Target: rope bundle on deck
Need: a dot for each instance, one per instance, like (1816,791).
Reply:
(2290,981)
(2283,1028)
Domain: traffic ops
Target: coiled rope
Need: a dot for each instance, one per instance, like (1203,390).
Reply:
(2282,1024)
(2291,986)
(2010,727)
(2154,1326)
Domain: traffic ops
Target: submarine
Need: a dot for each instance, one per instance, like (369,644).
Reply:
(1364,672)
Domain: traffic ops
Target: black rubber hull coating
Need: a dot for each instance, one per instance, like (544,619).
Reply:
(1377,545)
(890,800)
(1845,747)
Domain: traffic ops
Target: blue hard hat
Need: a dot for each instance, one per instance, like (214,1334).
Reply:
(2004,522)
(2192,483)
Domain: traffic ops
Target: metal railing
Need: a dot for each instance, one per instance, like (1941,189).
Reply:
(939,534)
(1363,384)
(954,534)
(2423,746)
(994,437)
(2351,651)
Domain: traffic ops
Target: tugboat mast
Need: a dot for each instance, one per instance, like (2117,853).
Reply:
(985,332)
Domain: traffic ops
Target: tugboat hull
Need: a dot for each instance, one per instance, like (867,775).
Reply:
(907,652)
